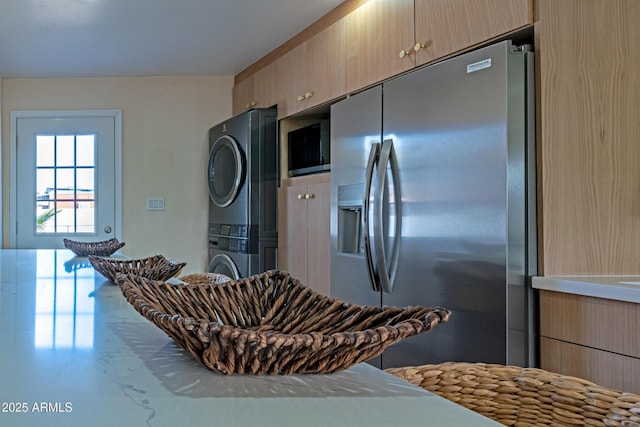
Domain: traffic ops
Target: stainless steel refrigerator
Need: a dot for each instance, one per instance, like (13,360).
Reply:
(433,203)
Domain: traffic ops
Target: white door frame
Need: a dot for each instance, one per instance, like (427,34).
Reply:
(49,114)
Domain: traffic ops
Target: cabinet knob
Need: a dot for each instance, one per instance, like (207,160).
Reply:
(309,196)
(307,95)
(252,104)
(418,46)
(404,53)
(300,196)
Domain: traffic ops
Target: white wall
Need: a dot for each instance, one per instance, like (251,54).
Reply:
(165,122)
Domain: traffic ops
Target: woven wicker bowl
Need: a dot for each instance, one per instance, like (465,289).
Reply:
(156,267)
(532,397)
(272,324)
(105,248)
(205,278)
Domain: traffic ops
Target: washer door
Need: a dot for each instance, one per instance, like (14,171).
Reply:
(223,264)
(226,171)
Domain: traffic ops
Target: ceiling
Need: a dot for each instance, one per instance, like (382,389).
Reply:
(109,38)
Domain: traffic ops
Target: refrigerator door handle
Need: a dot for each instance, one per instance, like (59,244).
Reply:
(373,158)
(387,272)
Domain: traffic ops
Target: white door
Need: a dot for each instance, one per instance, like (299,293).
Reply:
(67,170)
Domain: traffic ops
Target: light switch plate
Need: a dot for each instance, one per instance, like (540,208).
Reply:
(155,203)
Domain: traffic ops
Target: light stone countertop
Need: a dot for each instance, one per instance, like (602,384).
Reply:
(620,288)
(75,353)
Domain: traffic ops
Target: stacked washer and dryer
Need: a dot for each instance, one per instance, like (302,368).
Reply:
(243,181)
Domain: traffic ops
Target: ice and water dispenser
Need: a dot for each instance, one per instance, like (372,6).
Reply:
(350,199)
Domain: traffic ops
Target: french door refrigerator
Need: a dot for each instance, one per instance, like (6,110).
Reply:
(433,203)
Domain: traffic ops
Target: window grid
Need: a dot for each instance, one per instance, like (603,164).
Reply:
(70,200)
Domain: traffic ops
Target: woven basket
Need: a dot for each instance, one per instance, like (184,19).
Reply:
(205,278)
(516,396)
(272,324)
(156,267)
(105,248)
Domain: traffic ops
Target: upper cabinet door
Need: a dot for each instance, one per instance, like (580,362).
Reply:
(447,26)
(267,89)
(379,41)
(259,90)
(291,73)
(243,96)
(325,66)
(313,72)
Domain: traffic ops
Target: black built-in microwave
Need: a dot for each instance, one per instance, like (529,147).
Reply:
(309,149)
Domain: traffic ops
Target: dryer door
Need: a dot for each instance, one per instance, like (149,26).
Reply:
(223,264)
(226,171)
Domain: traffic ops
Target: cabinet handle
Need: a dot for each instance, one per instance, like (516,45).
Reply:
(404,53)
(307,95)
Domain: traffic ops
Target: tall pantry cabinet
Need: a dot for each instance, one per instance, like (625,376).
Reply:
(589,133)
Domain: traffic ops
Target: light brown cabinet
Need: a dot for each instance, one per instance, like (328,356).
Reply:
(384,38)
(260,90)
(379,38)
(588,134)
(589,106)
(443,27)
(591,338)
(303,234)
(243,98)
(313,72)
(376,41)
(267,86)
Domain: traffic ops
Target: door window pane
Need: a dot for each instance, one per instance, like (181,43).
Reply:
(65,150)
(85,150)
(44,187)
(85,183)
(65,183)
(45,150)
